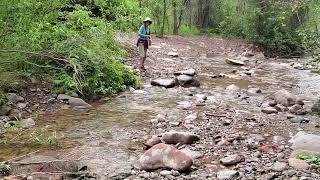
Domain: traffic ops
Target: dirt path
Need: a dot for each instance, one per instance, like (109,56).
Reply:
(110,137)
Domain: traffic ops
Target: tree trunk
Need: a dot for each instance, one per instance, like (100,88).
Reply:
(175,18)
(163,18)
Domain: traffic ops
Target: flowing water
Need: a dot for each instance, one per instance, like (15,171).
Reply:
(109,137)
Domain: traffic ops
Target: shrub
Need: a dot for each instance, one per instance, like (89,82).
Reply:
(65,41)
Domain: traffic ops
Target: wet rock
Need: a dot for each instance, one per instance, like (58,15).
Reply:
(5,110)
(189,72)
(272,103)
(285,98)
(167,83)
(279,166)
(184,79)
(164,156)
(27,123)
(269,110)
(174,137)
(63,97)
(306,142)
(173,54)
(227,174)
(78,102)
(14,98)
(232,160)
(298,66)
(254,91)
(316,108)
(139,91)
(22,105)
(295,108)
(299,120)
(232,89)
(234,62)
(212,100)
(152,141)
(201,96)
(298,164)
(281,108)
(161,118)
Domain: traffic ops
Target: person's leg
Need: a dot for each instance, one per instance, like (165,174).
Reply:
(144,58)
(142,55)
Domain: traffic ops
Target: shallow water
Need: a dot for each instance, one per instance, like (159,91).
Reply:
(109,137)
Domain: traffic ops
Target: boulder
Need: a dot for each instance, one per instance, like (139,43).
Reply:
(77,102)
(152,141)
(306,142)
(281,108)
(285,98)
(63,97)
(295,109)
(227,174)
(164,156)
(189,72)
(184,79)
(232,160)
(174,137)
(269,110)
(167,83)
(300,120)
(235,62)
(14,98)
(272,103)
(27,123)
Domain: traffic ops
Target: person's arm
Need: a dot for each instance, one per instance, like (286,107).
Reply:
(141,32)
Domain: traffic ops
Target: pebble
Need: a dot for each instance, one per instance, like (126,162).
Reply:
(227,174)
(279,166)
(165,173)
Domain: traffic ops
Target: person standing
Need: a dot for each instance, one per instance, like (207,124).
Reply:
(144,41)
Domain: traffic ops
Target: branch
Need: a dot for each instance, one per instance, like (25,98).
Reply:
(33,53)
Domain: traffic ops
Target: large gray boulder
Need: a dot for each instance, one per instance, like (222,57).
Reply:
(77,102)
(306,142)
(286,98)
(167,83)
(174,137)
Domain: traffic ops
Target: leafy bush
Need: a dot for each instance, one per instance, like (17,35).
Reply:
(4,169)
(66,41)
(41,136)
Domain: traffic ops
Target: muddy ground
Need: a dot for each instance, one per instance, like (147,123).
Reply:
(109,138)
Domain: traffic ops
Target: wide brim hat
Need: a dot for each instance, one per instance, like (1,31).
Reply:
(147,20)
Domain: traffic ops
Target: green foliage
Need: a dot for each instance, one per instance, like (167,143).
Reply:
(67,41)
(42,136)
(4,169)
(310,159)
